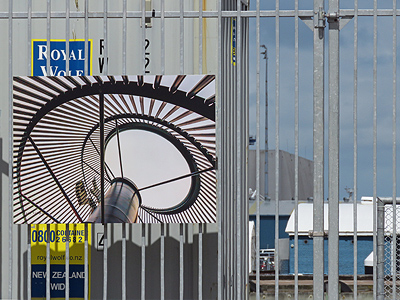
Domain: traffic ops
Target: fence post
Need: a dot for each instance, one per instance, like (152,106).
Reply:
(333,178)
(318,141)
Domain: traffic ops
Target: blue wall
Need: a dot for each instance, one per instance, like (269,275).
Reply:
(267,230)
(364,248)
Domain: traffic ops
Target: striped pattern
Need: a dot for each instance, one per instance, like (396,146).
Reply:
(57,139)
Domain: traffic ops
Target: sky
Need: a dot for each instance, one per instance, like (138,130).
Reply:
(148,158)
(365,176)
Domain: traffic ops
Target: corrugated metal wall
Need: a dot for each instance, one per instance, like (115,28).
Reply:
(347,127)
(167,261)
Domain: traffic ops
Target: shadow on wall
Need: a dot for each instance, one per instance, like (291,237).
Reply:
(152,270)
(153,267)
(4,169)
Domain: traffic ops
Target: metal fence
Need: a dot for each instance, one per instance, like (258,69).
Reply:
(304,40)
(388,248)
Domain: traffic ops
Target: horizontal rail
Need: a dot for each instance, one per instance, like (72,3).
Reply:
(388,200)
(156,14)
(194,14)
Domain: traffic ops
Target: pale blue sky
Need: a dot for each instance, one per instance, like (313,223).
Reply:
(365,93)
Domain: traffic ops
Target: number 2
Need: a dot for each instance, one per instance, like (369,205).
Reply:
(147,44)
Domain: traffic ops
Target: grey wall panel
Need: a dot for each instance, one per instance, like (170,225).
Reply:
(14,257)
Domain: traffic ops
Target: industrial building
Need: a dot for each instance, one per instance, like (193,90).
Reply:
(346,236)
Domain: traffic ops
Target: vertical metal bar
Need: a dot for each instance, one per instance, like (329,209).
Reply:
(200,37)
(162,247)
(105,27)
(296,151)
(258,158)
(48,269)
(182,38)
(143,26)
(143,273)
(200,271)
(123,250)
(29,265)
(86,71)
(233,208)
(105,260)
(355,147)
(29,250)
(86,263)
(266,181)
(162,37)
(244,159)
(277,100)
(374,159)
(181,262)
(200,274)
(86,242)
(230,104)
(101,121)
(333,167)
(29,37)
(162,262)
(394,157)
(48,34)
(220,207)
(124,36)
(229,193)
(239,153)
(318,147)
(67,28)
(266,189)
(105,250)
(48,67)
(380,222)
(182,70)
(10,165)
(143,245)
(123,262)
(66,259)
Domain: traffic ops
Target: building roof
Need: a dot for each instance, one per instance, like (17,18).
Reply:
(346,224)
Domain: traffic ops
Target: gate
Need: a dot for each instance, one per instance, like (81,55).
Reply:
(350,132)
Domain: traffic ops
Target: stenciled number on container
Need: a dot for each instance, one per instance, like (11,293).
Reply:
(147,59)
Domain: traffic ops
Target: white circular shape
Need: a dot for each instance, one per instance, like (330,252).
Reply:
(147,159)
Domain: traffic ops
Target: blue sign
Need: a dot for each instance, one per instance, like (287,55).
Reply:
(58,57)
(57,281)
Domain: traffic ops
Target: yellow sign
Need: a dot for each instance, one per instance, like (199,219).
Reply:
(57,238)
